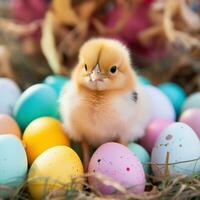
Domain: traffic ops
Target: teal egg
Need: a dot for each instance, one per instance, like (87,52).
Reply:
(37,101)
(193,101)
(143,80)
(56,82)
(175,93)
(13,163)
(141,154)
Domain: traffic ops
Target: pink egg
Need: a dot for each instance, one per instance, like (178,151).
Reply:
(119,164)
(191,117)
(9,126)
(153,131)
(160,105)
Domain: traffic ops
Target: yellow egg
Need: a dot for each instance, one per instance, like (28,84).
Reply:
(41,134)
(54,170)
(9,126)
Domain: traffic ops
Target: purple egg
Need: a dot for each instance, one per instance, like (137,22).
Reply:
(191,117)
(119,164)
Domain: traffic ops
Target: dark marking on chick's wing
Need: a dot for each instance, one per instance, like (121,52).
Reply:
(134,96)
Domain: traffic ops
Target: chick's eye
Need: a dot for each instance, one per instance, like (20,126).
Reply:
(85,66)
(113,69)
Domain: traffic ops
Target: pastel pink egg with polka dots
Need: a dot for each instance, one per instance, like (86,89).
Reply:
(118,164)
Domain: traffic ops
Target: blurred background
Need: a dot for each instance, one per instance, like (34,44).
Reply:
(42,37)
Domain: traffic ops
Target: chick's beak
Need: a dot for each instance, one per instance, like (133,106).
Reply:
(96,75)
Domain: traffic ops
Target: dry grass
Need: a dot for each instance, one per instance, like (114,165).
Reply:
(178,187)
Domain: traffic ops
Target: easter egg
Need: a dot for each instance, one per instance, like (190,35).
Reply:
(56,82)
(179,146)
(9,126)
(10,93)
(13,163)
(37,101)
(120,165)
(54,169)
(193,101)
(175,93)
(191,117)
(152,132)
(160,105)
(143,80)
(41,134)
(141,154)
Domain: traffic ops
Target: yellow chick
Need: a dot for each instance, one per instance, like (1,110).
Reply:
(103,101)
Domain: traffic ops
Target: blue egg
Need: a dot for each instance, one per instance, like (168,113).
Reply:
(193,101)
(141,154)
(144,81)
(37,101)
(56,82)
(175,94)
(13,163)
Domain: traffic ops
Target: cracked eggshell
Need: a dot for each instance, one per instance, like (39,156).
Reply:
(119,164)
(182,144)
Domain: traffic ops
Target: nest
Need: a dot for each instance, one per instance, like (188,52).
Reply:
(178,187)
(187,76)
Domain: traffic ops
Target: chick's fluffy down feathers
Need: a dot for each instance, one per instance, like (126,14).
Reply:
(118,117)
(107,115)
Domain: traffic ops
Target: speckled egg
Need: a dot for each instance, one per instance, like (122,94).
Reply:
(41,134)
(9,94)
(9,126)
(37,101)
(160,105)
(141,154)
(175,93)
(191,117)
(178,144)
(54,169)
(152,132)
(119,164)
(56,82)
(193,101)
(13,163)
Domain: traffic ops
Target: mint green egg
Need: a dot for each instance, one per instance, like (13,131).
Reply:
(37,101)
(142,155)
(175,93)
(193,101)
(13,164)
(56,82)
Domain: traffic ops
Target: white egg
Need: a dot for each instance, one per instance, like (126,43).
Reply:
(160,105)
(182,145)
(9,92)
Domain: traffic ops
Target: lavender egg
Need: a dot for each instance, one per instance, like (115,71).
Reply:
(119,164)
(160,105)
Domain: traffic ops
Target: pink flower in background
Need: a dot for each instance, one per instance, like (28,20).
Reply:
(26,11)
(137,21)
